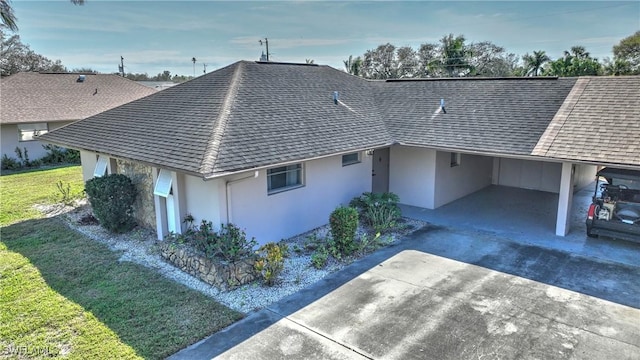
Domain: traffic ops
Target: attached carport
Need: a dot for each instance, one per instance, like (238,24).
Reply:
(433,178)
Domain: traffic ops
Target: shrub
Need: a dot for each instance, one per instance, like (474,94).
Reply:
(232,243)
(112,198)
(344,223)
(23,156)
(56,154)
(8,163)
(380,211)
(319,257)
(203,238)
(270,262)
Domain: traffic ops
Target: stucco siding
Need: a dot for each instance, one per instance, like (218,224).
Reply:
(88,160)
(202,200)
(327,184)
(584,175)
(529,174)
(412,175)
(453,182)
(10,140)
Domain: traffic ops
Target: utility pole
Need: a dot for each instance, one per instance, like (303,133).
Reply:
(194,66)
(121,66)
(266,43)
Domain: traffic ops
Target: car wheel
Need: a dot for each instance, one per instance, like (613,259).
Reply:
(589,233)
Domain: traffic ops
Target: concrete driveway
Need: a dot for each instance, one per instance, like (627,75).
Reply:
(450,294)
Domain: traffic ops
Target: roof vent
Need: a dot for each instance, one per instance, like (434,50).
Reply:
(335,97)
(442,106)
(81,78)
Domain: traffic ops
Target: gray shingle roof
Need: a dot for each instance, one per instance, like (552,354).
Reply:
(487,115)
(242,116)
(42,97)
(600,122)
(250,115)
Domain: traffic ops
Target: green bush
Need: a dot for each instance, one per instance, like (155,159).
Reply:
(232,243)
(270,262)
(229,244)
(380,211)
(112,198)
(344,223)
(320,257)
(57,155)
(8,163)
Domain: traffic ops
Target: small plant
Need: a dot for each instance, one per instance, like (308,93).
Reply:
(9,163)
(23,156)
(112,198)
(64,193)
(232,243)
(320,257)
(344,223)
(270,262)
(380,211)
(368,243)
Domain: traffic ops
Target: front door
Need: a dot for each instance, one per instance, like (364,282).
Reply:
(380,171)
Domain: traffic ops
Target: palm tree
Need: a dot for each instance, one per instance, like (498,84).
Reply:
(533,63)
(8,18)
(353,66)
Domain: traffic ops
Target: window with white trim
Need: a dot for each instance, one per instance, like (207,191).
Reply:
(350,159)
(455,159)
(284,178)
(28,132)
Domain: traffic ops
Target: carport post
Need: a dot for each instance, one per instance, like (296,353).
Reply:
(565,197)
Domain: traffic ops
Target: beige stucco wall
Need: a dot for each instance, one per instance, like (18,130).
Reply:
(452,183)
(10,140)
(412,175)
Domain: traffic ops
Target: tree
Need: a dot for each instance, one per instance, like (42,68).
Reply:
(379,63)
(353,66)
(576,62)
(308,61)
(8,17)
(533,63)
(490,60)
(16,57)
(454,55)
(618,67)
(427,60)
(628,51)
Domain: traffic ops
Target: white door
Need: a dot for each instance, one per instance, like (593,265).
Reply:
(171,215)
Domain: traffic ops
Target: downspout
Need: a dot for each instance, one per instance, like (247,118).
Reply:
(228,191)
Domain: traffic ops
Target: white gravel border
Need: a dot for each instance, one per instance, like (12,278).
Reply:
(140,246)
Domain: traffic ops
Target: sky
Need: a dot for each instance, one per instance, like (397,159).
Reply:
(154,36)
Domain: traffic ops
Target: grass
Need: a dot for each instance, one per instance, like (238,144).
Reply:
(19,192)
(63,294)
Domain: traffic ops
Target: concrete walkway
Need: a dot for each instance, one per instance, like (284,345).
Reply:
(450,294)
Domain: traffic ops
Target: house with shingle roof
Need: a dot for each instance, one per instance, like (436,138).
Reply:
(275,147)
(33,103)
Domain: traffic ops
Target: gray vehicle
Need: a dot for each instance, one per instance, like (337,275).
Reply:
(615,210)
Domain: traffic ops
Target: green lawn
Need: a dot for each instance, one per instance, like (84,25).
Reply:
(20,191)
(62,294)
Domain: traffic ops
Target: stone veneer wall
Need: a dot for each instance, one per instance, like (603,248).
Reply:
(222,275)
(142,178)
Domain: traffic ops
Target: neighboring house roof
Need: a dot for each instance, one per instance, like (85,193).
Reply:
(48,97)
(491,115)
(255,114)
(599,121)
